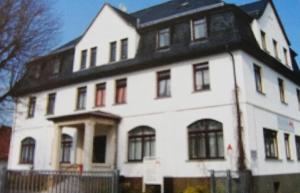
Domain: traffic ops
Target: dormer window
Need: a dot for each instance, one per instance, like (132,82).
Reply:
(83,59)
(113,51)
(199,29)
(164,38)
(93,60)
(124,49)
(56,66)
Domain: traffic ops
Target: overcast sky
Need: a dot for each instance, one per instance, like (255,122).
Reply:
(76,15)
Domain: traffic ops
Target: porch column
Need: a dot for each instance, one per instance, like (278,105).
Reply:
(89,131)
(56,147)
(114,146)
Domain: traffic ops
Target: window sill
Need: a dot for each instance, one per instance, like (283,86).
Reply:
(202,90)
(120,104)
(261,93)
(284,103)
(98,107)
(290,160)
(134,162)
(162,97)
(26,164)
(198,41)
(206,160)
(163,49)
(78,110)
(273,159)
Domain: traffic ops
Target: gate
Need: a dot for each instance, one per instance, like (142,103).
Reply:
(61,182)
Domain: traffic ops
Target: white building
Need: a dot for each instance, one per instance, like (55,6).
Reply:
(152,94)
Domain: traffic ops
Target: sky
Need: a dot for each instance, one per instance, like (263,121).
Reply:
(76,15)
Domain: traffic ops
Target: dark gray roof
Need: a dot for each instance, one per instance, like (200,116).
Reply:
(69,45)
(170,8)
(255,9)
(127,17)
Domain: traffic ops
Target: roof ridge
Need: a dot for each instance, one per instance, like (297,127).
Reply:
(156,5)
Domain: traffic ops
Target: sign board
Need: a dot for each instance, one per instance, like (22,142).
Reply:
(152,174)
(285,124)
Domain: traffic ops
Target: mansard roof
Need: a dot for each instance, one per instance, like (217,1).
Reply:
(171,8)
(229,28)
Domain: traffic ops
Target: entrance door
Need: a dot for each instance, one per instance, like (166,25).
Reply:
(99,151)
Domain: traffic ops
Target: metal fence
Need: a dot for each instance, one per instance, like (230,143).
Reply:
(60,182)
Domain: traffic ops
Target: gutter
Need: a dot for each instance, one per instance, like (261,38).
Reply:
(240,142)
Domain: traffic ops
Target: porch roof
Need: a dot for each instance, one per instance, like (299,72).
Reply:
(85,115)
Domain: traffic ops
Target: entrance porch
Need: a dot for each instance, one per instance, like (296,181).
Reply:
(95,146)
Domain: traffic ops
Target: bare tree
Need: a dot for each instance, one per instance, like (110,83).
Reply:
(27,30)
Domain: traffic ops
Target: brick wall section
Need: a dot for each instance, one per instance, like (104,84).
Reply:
(5,135)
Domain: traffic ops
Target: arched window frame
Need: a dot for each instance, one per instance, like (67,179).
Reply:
(66,148)
(145,137)
(27,152)
(205,135)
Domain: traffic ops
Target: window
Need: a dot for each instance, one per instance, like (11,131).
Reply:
(206,140)
(287,146)
(38,71)
(66,148)
(81,98)
(201,77)
(99,150)
(263,40)
(199,30)
(56,66)
(271,146)
(124,49)
(297,138)
(285,56)
(121,91)
(164,84)
(258,78)
(93,57)
(141,143)
(113,51)
(31,107)
(27,151)
(100,95)
(51,104)
(298,98)
(275,49)
(281,90)
(83,59)
(164,38)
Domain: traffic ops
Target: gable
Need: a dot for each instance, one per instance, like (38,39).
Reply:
(110,25)
(270,18)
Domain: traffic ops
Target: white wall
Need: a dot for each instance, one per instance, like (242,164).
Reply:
(170,116)
(104,30)
(270,25)
(262,111)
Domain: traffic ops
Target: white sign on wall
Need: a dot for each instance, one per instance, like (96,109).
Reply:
(285,124)
(152,174)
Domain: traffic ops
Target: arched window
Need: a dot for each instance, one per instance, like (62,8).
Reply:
(141,143)
(66,147)
(206,140)
(27,151)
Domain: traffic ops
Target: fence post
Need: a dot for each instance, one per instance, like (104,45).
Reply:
(228,182)
(3,179)
(212,182)
(116,181)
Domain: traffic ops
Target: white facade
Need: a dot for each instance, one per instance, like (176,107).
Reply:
(171,116)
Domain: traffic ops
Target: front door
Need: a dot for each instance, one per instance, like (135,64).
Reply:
(99,150)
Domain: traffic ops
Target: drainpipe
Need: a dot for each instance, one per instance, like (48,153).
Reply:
(241,151)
